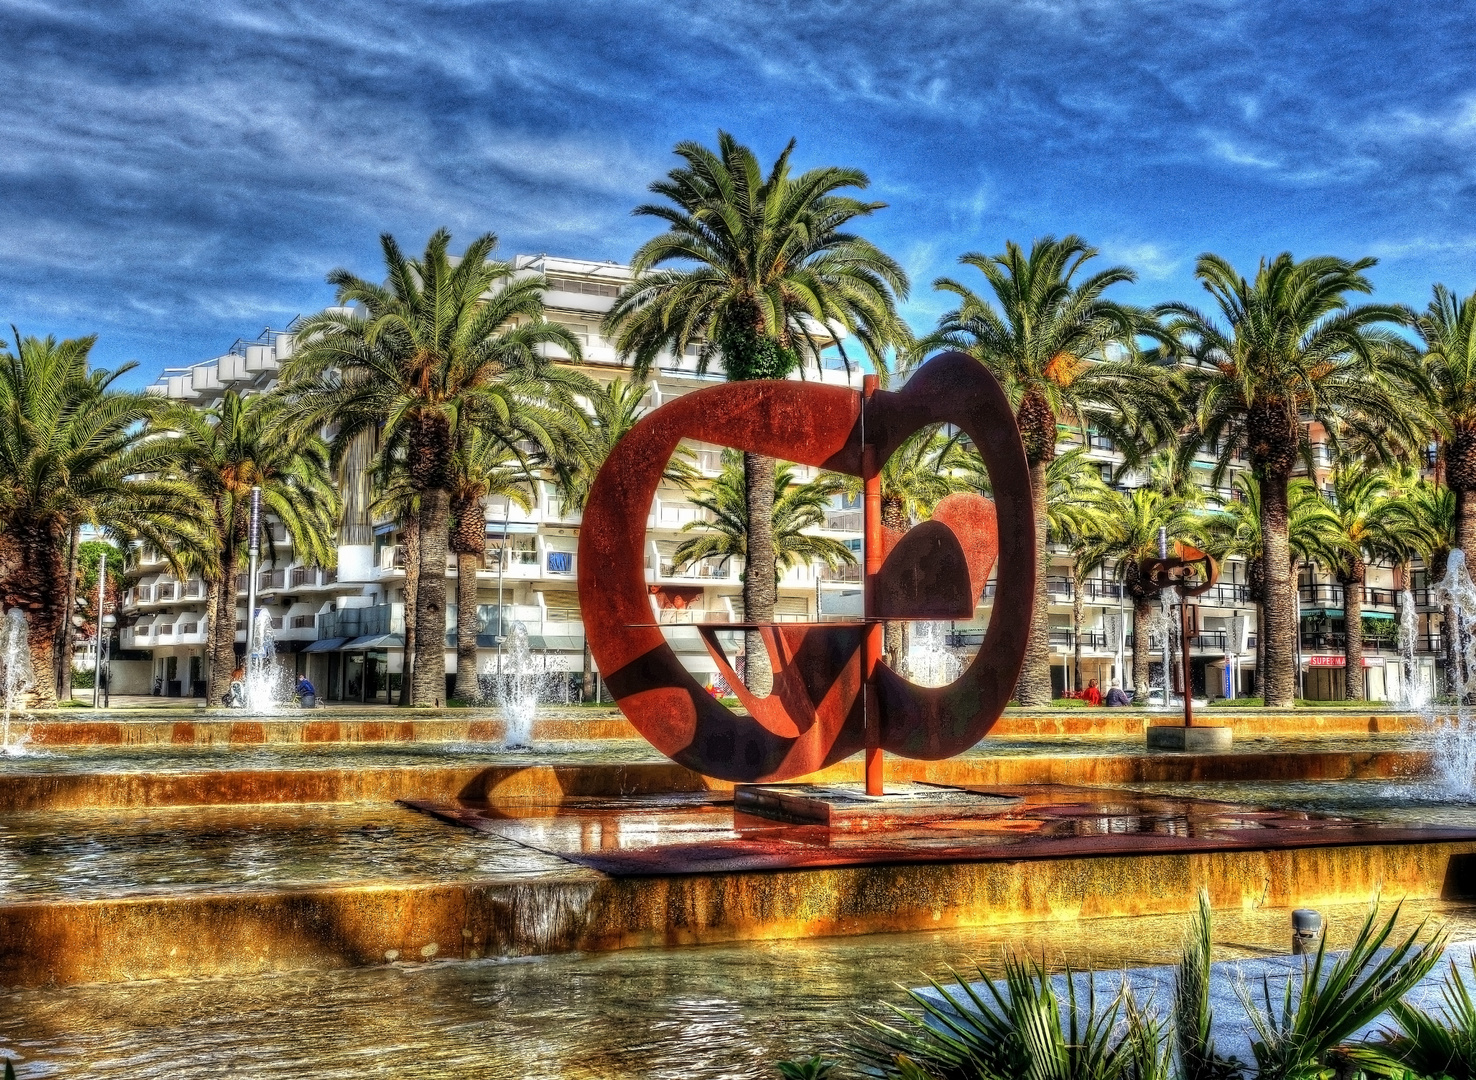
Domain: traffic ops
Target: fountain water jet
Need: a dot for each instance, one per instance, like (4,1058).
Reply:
(1455,740)
(929,663)
(16,675)
(267,685)
(1413,693)
(519,688)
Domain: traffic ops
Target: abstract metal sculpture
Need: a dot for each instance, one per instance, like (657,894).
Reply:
(832,694)
(1190,572)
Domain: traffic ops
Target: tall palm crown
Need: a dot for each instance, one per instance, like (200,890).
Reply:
(757,268)
(1447,330)
(1287,348)
(240,443)
(74,450)
(764,267)
(1064,352)
(798,507)
(446,344)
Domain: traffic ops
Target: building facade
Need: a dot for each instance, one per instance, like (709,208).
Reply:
(344,627)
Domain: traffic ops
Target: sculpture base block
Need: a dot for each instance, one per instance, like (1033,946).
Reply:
(847,805)
(1197,738)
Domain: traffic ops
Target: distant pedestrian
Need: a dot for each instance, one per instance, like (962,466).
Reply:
(1091,695)
(1116,697)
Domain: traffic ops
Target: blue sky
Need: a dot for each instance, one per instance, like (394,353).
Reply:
(175,175)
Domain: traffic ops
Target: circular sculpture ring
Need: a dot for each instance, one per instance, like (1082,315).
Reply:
(813,716)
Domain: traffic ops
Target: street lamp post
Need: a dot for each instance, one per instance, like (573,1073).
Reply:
(97,660)
(254,552)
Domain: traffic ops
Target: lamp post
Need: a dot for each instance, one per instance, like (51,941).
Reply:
(97,660)
(254,552)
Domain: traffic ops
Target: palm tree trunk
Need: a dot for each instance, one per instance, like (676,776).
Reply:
(1034,687)
(587,682)
(212,600)
(759,588)
(223,657)
(33,558)
(1353,689)
(1078,612)
(1141,652)
(1465,522)
(410,538)
(428,680)
(1261,650)
(1280,600)
(466,626)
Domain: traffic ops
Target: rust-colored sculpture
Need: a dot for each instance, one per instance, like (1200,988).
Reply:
(831,694)
(1190,572)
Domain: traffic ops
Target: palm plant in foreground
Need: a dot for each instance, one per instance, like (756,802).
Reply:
(1019,1026)
(74,450)
(1065,354)
(239,443)
(1286,349)
(446,345)
(758,270)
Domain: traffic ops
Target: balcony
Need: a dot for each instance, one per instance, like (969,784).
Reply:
(844,575)
(351,623)
(843,521)
(1329,595)
(701,570)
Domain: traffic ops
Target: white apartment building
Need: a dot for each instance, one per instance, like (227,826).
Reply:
(344,627)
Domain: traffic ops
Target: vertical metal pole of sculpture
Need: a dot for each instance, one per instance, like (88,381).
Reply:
(872,642)
(254,552)
(97,661)
(1184,628)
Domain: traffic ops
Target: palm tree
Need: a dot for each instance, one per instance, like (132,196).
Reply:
(1128,525)
(798,507)
(1235,529)
(1429,511)
(443,346)
(486,465)
(74,450)
(240,443)
(928,466)
(757,269)
(1064,353)
(610,411)
(1447,330)
(1363,524)
(1287,349)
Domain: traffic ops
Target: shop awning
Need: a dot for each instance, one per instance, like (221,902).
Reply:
(326,645)
(556,642)
(375,641)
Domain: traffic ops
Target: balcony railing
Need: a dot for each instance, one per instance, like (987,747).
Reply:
(1329,595)
(358,622)
(849,574)
(843,520)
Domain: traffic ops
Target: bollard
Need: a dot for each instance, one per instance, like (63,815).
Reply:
(1306,929)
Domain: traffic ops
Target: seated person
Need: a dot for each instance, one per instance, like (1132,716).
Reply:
(235,697)
(1091,695)
(305,692)
(1116,696)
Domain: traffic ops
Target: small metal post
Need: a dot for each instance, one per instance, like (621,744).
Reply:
(97,661)
(254,552)
(872,642)
(501,563)
(1306,929)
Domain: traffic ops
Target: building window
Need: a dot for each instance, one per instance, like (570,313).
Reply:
(560,562)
